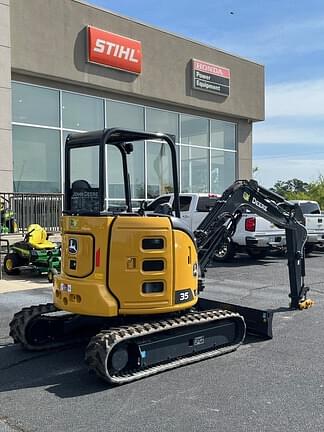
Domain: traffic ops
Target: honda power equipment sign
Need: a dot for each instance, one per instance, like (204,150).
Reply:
(211,78)
(115,51)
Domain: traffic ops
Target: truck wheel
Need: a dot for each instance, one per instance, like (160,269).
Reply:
(257,253)
(225,251)
(10,264)
(309,249)
(319,247)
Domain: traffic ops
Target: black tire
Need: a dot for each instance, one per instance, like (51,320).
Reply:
(225,251)
(10,264)
(319,247)
(257,253)
(50,274)
(309,248)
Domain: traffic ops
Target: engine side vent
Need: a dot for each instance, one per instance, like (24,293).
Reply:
(153,243)
(153,265)
(152,287)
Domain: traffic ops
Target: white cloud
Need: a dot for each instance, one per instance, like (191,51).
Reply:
(274,134)
(292,37)
(272,170)
(294,114)
(299,98)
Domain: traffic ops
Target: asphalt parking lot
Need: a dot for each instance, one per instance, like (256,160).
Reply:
(273,385)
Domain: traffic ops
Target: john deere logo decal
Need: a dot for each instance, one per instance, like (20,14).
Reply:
(246,196)
(73,246)
(73,223)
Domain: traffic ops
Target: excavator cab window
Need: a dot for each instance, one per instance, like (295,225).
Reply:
(84,179)
(99,168)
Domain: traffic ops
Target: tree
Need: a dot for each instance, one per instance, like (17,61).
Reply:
(316,191)
(288,187)
(296,189)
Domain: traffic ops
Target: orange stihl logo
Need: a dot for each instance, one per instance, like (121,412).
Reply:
(113,50)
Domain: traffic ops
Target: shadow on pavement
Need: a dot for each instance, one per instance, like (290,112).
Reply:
(243,261)
(281,310)
(62,372)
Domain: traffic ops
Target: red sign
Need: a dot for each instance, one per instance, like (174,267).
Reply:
(115,51)
(211,68)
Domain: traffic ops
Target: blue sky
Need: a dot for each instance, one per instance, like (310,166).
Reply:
(287,37)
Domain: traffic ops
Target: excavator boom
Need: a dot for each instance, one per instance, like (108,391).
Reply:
(222,220)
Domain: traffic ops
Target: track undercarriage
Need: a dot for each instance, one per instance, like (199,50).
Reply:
(125,349)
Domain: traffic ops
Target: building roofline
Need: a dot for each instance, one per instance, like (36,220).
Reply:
(85,3)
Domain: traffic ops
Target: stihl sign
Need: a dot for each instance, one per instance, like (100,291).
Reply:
(115,51)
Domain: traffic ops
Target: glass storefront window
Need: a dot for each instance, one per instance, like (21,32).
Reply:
(194,169)
(162,121)
(194,130)
(200,141)
(82,112)
(222,170)
(222,134)
(125,115)
(36,155)
(159,169)
(29,102)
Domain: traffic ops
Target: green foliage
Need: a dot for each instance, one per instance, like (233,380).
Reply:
(287,187)
(316,191)
(296,189)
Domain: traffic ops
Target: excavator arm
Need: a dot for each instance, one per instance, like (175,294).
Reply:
(222,220)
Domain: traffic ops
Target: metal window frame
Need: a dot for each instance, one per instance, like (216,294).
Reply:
(104,100)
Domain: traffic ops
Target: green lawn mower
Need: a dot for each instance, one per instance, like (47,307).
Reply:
(8,224)
(34,253)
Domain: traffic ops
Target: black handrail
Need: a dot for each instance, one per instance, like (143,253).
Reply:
(44,209)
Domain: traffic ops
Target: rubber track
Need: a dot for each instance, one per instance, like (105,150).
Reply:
(21,320)
(101,345)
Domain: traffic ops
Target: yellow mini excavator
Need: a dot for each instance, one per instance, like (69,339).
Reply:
(131,283)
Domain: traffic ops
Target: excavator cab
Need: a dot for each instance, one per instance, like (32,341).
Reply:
(115,260)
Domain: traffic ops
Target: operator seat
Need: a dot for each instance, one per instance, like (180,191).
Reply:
(37,237)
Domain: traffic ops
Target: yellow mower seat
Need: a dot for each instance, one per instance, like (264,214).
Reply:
(38,237)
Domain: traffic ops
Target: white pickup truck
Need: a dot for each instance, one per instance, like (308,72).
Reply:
(254,234)
(314,222)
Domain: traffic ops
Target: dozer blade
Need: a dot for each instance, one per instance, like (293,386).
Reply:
(128,353)
(258,321)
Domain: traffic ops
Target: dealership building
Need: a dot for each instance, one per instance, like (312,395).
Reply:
(67,66)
